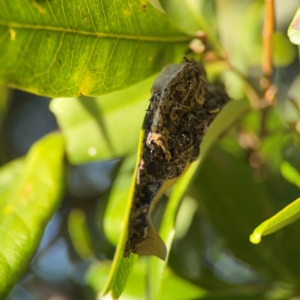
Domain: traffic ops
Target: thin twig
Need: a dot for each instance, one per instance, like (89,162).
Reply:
(269,90)
(267,35)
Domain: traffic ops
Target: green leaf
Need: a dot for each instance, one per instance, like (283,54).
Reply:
(79,233)
(286,216)
(290,173)
(137,285)
(117,201)
(30,193)
(119,272)
(232,111)
(90,47)
(135,288)
(104,127)
(176,288)
(294,28)
(121,266)
(156,267)
(192,16)
(8,173)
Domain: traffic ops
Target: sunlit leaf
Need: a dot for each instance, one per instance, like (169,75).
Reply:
(294,28)
(190,23)
(121,266)
(184,289)
(136,287)
(194,16)
(117,201)
(290,173)
(30,193)
(283,218)
(157,267)
(157,5)
(96,275)
(103,127)
(234,85)
(232,111)
(9,172)
(88,47)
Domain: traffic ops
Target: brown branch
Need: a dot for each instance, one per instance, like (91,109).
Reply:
(267,67)
(267,35)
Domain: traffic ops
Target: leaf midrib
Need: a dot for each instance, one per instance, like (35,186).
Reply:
(175,39)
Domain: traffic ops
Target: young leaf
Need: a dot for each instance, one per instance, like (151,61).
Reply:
(290,173)
(30,193)
(57,48)
(135,289)
(283,218)
(287,215)
(294,28)
(199,15)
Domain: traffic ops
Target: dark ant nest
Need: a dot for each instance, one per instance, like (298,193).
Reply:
(182,106)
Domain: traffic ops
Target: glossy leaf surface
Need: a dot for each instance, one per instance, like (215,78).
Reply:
(91,47)
(283,218)
(30,193)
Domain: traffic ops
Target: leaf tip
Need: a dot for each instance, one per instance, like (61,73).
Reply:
(255,238)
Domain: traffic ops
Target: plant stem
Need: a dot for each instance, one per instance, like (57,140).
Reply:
(267,35)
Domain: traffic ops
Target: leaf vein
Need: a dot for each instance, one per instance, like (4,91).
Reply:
(165,39)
